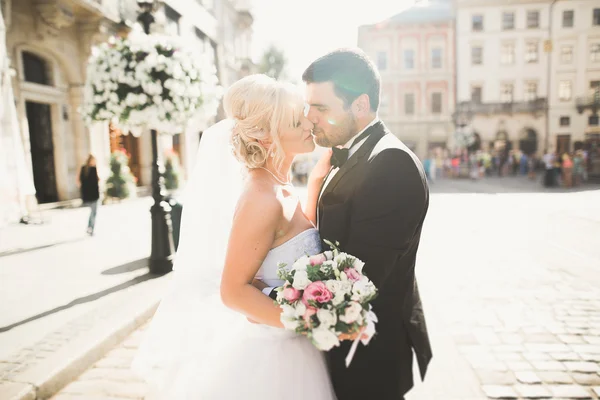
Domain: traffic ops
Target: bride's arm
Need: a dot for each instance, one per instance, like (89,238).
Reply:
(315,181)
(252,235)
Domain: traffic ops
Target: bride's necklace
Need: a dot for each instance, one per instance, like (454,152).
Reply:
(276,178)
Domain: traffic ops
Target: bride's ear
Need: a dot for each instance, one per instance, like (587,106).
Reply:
(266,143)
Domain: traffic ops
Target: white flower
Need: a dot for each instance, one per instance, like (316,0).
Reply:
(328,254)
(301,263)
(363,288)
(300,310)
(327,317)
(327,267)
(288,317)
(324,339)
(301,280)
(338,299)
(333,285)
(343,276)
(352,313)
(341,258)
(358,265)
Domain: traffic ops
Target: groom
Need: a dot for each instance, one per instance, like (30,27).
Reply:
(373,201)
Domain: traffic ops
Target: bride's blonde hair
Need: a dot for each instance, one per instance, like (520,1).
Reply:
(261,107)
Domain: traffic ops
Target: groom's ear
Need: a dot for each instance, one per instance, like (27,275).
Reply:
(361,107)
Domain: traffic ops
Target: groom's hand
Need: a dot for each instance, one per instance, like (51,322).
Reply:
(354,335)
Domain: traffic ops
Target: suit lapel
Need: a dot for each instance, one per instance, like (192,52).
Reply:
(377,133)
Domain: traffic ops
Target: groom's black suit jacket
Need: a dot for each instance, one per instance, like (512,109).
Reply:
(374,207)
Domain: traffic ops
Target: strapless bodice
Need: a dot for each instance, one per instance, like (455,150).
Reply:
(306,243)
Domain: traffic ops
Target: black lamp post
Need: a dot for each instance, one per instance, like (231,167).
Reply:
(161,258)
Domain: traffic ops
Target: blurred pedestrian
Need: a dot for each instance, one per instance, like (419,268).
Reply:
(550,175)
(578,168)
(567,170)
(88,182)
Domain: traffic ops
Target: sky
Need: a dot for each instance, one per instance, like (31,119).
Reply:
(307,29)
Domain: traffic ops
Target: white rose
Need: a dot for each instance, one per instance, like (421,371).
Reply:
(324,339)
(346,287)
(333,286)
(301,263)
(358,265)
(338,299)
(328,254)
(326,317)
(352,313)
(300,310)
(301,280)
(288,317)
(363,288)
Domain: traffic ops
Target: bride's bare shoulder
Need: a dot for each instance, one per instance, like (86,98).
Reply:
(259,198)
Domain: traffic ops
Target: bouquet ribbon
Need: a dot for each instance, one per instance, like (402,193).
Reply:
(368,332)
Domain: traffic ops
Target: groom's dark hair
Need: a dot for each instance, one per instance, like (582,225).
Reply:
(351,72)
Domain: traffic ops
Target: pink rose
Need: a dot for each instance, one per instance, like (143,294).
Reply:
(291,294)
(352,274)
(310,311)
(317,259)
(316,291)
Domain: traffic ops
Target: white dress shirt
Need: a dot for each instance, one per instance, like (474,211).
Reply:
(351,152)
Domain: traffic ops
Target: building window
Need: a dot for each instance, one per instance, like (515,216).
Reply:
(508,21)
(565,121)
(567,18)
(506,92)
(565,91)
(596,17)
(382,60)
(476,55)
(409,59)
(477,23)
(531,89)
(566,54)
(36,69)
(593,120)
(409,103)
(476,94)
(436,58)
(172,21)
(533,19)
(595,52)
(507,56)
(531,52)
(436,103)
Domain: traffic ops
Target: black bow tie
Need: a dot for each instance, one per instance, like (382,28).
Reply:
(340,156)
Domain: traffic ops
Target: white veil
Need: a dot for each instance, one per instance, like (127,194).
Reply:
(182,336)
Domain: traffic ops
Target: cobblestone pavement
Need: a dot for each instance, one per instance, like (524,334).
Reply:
(56,282)
(510,281)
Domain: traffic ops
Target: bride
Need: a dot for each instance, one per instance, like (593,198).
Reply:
(215,335)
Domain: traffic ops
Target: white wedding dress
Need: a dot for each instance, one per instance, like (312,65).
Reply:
(196,348)
(259,362)
(269,363)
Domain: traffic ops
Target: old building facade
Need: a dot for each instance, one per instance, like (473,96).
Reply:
(48,43)
(414,51)
(523,66)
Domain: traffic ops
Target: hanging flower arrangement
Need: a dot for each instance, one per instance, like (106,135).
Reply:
(149,81)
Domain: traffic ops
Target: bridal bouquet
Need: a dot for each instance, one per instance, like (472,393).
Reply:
(327,295)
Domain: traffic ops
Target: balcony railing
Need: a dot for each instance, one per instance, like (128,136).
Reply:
(534,107)
(591,102)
